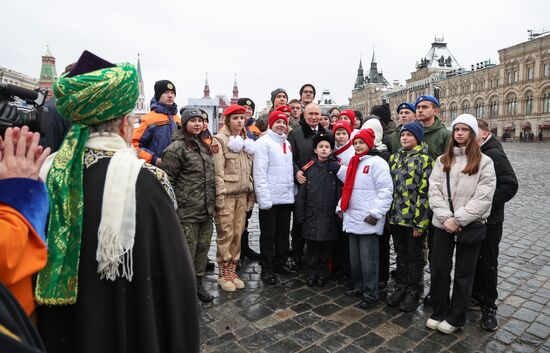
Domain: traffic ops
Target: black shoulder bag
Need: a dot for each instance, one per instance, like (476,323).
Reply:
(473,233)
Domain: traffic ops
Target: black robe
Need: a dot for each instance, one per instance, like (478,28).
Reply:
(157,311)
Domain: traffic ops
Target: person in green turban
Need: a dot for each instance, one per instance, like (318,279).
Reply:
(111,282)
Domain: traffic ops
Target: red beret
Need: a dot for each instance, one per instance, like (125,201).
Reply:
(234,109)
(283,108)
(350,114)
(274,116)
(342,124)
(367,135)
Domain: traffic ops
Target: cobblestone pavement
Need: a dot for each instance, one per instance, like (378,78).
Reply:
(292,317)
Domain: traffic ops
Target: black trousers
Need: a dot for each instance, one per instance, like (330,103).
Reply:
(245,246)
(486,275)
(340,255)
(318,253)
(274,228)
(384,256)
(453,310)
(410,257)
(298,243)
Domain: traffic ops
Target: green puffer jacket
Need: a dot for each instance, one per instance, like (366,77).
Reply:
(190,168)
(393,140)
(410,171)
(437,138)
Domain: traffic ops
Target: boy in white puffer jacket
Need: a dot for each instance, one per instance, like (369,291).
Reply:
(366,198)
(273,172)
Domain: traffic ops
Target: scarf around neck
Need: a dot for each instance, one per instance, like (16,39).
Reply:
(350,180)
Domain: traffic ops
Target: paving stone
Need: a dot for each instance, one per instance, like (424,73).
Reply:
(307,336)
(385,349)
(389,330)
(335,342)
(230,347)
(326,309)
(373,320)
(505,336)
(302,294)
(400,344)
(495,347)
(327,326)
(285,328)
(318,300)
(355,330)
(531,339)
(307,318)
(300,308)
(462,347)
(284,346)
(370,340)
(217,341)
(515,326)
(444,340)
(428,346)
(525,314)
(348,315)
(257,312)
(351,349)
(257,341)
(314,349)
(539,330)
(415,334)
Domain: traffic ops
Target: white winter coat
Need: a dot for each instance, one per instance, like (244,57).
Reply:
(372,195)
(345,156)
(472,195)
(273,171)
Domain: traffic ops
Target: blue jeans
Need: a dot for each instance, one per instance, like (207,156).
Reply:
(363,256)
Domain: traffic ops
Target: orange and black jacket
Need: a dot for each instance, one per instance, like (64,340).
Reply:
(154,134)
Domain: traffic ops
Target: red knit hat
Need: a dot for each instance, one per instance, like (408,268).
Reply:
(350,114)
(283,108)
(274,116)
(342,124)
(367,135)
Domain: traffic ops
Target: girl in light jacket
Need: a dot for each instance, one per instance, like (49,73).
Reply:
(472,184)
(273,172)
(366,198)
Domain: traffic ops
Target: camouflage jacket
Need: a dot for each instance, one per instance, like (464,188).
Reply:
(410,171)
(190,168)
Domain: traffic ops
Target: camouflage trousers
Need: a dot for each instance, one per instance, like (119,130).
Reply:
(230,222)
(198,237)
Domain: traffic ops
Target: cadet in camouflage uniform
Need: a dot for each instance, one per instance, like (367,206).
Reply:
(190,167)
(409,215)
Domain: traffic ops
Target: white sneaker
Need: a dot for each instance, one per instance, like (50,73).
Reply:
(432,324)
(447,328)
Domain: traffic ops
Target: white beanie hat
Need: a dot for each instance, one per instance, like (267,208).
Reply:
(375,125)
(467,119)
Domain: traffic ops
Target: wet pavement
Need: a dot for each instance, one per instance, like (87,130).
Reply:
(292,317)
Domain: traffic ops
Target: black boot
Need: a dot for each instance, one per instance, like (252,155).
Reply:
(202,293)
(489,318)
(397,296)
(410,302)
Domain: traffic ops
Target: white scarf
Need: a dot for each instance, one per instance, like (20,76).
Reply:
(117,229)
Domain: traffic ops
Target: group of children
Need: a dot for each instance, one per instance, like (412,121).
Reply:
(349,187)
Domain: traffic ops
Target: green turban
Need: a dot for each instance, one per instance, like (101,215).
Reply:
(87,99)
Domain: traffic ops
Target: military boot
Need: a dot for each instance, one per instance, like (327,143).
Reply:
(239,284)
(224,280)
(397,296)
(202,293)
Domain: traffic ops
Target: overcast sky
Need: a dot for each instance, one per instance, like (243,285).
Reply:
(269,44)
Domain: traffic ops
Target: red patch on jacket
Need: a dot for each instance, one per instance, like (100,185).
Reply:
(366,169)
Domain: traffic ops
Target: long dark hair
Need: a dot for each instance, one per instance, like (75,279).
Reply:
(473,154)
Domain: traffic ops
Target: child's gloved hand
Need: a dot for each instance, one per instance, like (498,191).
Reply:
(370,219)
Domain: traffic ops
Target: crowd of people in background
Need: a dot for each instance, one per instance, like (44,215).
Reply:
(121,259)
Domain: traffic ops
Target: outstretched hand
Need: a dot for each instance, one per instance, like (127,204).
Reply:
(20,154)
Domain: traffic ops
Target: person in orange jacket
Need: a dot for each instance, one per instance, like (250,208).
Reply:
(24,210)
(154,133)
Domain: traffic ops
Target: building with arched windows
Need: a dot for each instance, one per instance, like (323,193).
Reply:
(513,96)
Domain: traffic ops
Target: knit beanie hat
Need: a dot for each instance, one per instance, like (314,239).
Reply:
(283,109)
(367,135)
(274,116)
(308,85)
(415,128)
(350,114)
(376,127)
(247,102)
(190,113)
(163,86)
(323,136)
(275,92)
(342,124)
(382,111)
(467,119)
